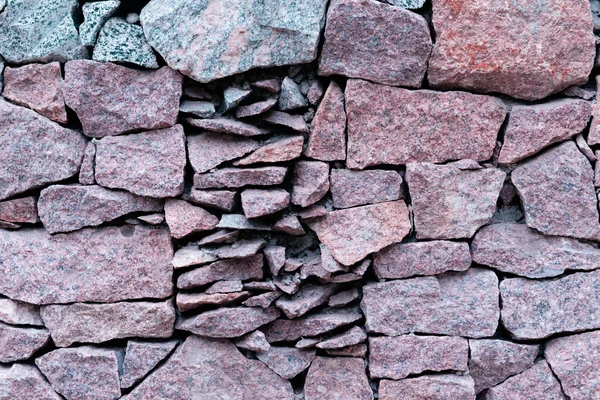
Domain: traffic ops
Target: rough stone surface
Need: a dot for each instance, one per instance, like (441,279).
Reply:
(19,313)
(286,362)
(310,182)
(520,250)
(141,357)
(24,382)
(94,16)
(38,87)
(86,172)
(148,164)
(242,269)
(21,210)
(65,208)
(240,177)
(557,192)
(228,286)
(209,150)
(351,235)
(344,298)
(310,325)
(535,383)
(110,99)
(255,108)
(93,264)
(308,297)
(454,303)
(260,202)
(295,122)
(223,200)
(537,309)
(82,373)
(290,97)
(410,4)
(450,203)
(184,218)
(228,126)
(404,260)
(262,300)
(434,387)
(374,41)
(204,368)
(327,139)
(351,337)
(489,46)
(341,378)
(492,361)
(191,255)
(253,341)
(202,109)
(532,128)
(191,301)
(249,34)
(356,188)
(398,357)
(17,343)
(281,150)
(35,150)
(241,249)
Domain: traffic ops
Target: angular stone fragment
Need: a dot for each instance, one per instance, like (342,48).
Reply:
(18,343)
(239,221)
(388,125)
(19,313)
(295,122)
(191,255)
(35,150)
(259,202)
(312,212)
(281,150)
(327,140)
(221,236)
(289,224)
(434,387)
(351,235)
(357,350)
(82,372)
(487,46)
(94,16)
(209,150)
(395,53)
(343,298)
(86,172)
(204,368)
(337,379)
(38,87)
(493,361)
(223,200)
(310,182)
(202,109)
(23,381)
(242,269)
(22,210)
(148,164)
(535,383)
(275,256)
(228,322)
(286,362)
(450,203)
(190,301)
(241,249)
(290,96)
(557,192)
(398,357)
(262,300)
(229,286)
(96,323)
(40,32)
(255,108)
(65,208)
(356,188)
(266,35)
(228,126)
(532,128)
(141,357)
(537,309)
(232,96)
(403,260)
(253,341)
(152,219)
(184,218)
(122,42)
(110,99)
(117,268)
(239,177)
(585,148)
(454,303)
(409,4)
(351,337)
(310,325)
(308,297)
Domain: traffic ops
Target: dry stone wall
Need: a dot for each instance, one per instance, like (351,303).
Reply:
(299,200)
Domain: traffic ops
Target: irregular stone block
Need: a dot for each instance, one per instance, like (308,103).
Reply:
(286,362)
(19,343)
(86,172)
(254,341)
(240,177)
(351,337)
(310,182)
(434,387)
(259,202)
(342,378)
(285,149)
(223,200)
(295,122)
(242,269)
(327,139)
(19,313)
(191,301)
(22,210)
(209,150)
(202,109)
(290,97)
(23,381)
(228,126)
(535,383)
(184,218)
(388,125)
(308,297)
(94,16)
(141,357)
(255,108)
(191,255)
(310,325)
(356,188)
(241,249)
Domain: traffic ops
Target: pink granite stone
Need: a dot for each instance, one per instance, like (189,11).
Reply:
(351,337)
(242,269)
(327,140)
(492,361)
(401,356)
(287,362)
(280,150)
(19,313)
(537,309)
(357,350)
(342,378)
(209,150)
(294,122)
(356,188)
(86,172)
(374,41)
(520,250)
(35,149)
(312,212)
(344,298)
(191,301)
(22,210)
(82,373)
(66,208)
(434,387)
(24,382)
(289,224)
(454,303)
(226,126)
(353,234)
(228,286)
(450,203)
(308,297)
(239,221)
(532,128)
(100,265)
(253,341)
(243,248)
(260,202)
(141,357)
(204,368)
(490,46)
(270,85)
(191,255)
(223,200)
(310,182)
(148,164)
(536,383)
(275,256)
(557,192)
(255,108)
(262,300)
(228,322)
(184,218)
(219,237)
(388,125)
(594,132)
(240,177)
(38,87)
(96,323)
(19,343)
(310,325)
(110,99)
(403,260)
(585,148)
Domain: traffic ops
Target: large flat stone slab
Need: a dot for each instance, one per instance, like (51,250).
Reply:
(428,387)
(339,378)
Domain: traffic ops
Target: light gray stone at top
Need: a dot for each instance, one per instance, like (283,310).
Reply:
(94,16)
(2,5)
(206,40)
(408,4)
(40,31)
